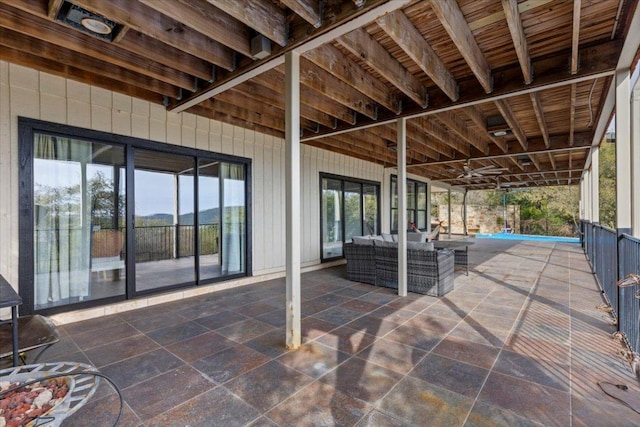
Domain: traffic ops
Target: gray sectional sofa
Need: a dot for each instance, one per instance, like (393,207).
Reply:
(375,261)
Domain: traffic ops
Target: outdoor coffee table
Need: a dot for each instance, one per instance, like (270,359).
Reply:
(460,251)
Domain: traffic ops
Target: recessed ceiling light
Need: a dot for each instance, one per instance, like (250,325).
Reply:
(96,26)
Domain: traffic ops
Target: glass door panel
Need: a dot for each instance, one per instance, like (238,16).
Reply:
(209,220)
(370,205)
(352,210)
(331,218)
(79,205)
(234,218)
(164,210)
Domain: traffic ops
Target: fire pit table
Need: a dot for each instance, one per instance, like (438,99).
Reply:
(82,381)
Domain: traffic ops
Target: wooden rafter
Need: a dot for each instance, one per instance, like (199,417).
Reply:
(39,48)
(399,28)
(154,24)
(458,127)
(480,121)
(332,60)
(414,138)
(510,117)
(454,22)
(274,80)
(263,16)
(309,10)
(207,20)
(270,97)
(204,111)
(54,8)
(429,126)
(519,40)
(537,107)
(572,113)
(316,78)
(552,160)
(362,45)
(33,26)
(575,36)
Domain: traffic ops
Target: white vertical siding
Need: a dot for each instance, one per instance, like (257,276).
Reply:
(29,93)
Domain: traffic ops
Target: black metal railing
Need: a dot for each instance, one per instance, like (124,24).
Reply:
(612,258)
(629,305)
(156,243)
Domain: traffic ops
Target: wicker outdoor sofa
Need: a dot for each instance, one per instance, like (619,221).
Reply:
(375,262)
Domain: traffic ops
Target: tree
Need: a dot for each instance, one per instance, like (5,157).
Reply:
(607,186)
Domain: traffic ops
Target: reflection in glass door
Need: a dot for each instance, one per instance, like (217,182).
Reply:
(78,213)
(164,220)
(331,218)
(209,219)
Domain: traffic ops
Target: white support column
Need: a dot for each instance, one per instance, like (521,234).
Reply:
(581,200)
(428,219)
(293,210)
(623,151)
(402,207)
(587,194)
(635,160)
(595,183)
(449,213)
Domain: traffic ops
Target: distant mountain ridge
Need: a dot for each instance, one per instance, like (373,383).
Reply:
(208,216)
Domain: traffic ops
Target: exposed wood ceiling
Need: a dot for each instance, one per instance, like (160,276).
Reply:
(542,66)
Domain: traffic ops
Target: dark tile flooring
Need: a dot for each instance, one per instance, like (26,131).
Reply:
(518,343)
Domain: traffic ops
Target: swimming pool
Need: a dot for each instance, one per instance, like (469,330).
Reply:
(506,236)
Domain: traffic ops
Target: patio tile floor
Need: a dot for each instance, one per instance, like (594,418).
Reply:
(519,342)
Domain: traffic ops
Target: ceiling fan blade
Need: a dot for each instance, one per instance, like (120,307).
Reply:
(484,168)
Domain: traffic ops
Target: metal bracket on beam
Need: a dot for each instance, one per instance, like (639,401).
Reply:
(179,97)
(165,101)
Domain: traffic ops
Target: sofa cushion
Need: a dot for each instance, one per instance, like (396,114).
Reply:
(387,237)
(383,244)
(362,240)
(416,237)
(377,238)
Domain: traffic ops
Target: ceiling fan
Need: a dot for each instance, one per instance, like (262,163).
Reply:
(470,172)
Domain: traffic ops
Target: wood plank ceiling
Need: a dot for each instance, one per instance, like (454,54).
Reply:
(537,70)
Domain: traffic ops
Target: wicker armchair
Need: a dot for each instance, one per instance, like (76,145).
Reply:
(361,262)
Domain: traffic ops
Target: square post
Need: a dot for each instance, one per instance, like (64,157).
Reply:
(402,207)
(635,160)
(292,166)
(623,151)
(595,184)
(449,212)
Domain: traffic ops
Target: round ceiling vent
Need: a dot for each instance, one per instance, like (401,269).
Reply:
(96,26)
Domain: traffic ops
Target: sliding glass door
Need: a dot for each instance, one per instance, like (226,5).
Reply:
(349,208)
(78,221)
(187,211)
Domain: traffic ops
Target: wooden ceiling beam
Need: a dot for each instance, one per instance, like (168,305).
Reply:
(50,52)
(332,60)
(235,97)
(542,123)
(201,110)
(309,10)
(432,140)
(558,146)
(365,47)
(459,127)
(551,72)
(428,125)
(478,119)
(516,29)
(401,30)
(454,22)
(275,81)
(512,121)
(575,35)
(25,22)
(208,21)
(54,8)
(390,133)
(263,16)
(69,72)
(233,110)
(270,97)
(552,160)
(572,112)
(163,28)
(316,78)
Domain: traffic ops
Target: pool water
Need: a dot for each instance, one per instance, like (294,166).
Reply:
(506,236)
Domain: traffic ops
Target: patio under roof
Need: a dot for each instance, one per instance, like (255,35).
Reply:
(520,341)
(512,88)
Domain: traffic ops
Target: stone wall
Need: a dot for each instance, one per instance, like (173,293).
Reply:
(480,219)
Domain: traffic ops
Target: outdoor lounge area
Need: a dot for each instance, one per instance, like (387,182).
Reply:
(518,342)
(181,183)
